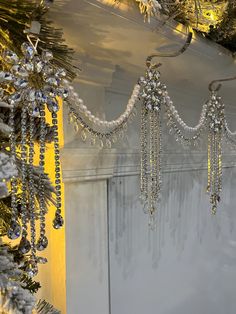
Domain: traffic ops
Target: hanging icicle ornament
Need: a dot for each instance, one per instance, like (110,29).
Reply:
(216,121)
(150,140)
(29,84)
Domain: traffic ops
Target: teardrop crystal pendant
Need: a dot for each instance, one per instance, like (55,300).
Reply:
(58,221)
(83,136)
(24,246)
(14,231)
(42,243)
(108,143)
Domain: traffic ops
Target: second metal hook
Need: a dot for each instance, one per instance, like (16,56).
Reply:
(214,82)
(171,54)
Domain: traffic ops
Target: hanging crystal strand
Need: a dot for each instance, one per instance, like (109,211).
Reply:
(152,163)
(15,229)
(158,150)
(58,220)
(153,92)
(144,155)
(32,268)
(214,175)
(42,241)
(220,165)
(209,163)
(216,120)
(24,246)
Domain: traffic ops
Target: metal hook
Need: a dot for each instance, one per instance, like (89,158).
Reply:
(170,54)
(211,85)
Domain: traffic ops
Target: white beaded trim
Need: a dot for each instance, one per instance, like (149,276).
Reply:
(73,96)
(175,113)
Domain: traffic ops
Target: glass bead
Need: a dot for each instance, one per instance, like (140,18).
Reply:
(38,65)
(83,136)
(10,56)
(24,246)
(101,144)
(31,268)
(35,111)
(48,70)
(29,66)
(7,77)
(47,55)
(52,81)
(61,73)
(52,106)
(14,231)
(65,93)
(27,50)
(41,260)
(15,98)
(31,95)
(58,221)
(92,141)
(108,143)
(42,243)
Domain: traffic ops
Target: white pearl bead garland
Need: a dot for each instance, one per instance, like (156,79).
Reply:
(175,113)
(99,122)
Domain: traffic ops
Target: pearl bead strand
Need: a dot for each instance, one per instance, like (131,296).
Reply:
(74,98)
(175,114)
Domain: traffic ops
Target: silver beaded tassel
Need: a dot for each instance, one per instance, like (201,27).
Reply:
(15,229)
(215,127)
(32,268)
(150,138)
(58,220)
(42,241)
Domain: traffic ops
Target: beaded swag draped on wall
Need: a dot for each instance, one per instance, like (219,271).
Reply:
(35,78)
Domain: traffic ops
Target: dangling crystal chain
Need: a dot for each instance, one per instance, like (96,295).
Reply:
(24,246)
(155,96)
(15,229)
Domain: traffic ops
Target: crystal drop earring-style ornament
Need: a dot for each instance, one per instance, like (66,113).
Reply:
(36,84)
(150,139)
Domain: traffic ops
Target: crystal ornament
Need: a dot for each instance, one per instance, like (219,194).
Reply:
(10,57)
(58,221)
(150,140)
(14,231)
(32,268)
(42,243)
(47,55)
(20,83)
(24,246)
(28,50)
(41,260)
(36,84)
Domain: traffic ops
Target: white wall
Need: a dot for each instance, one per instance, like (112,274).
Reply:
(187,266)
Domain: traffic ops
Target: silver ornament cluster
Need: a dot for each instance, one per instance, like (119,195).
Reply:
(212,120)
(151,140)
(155,102)
(29,84)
